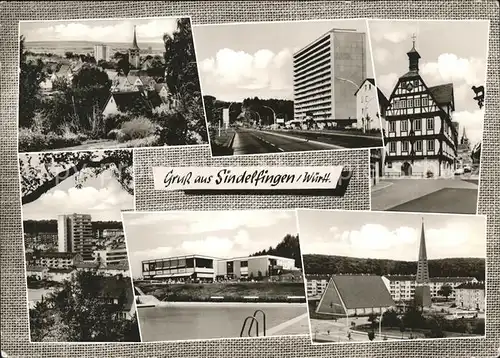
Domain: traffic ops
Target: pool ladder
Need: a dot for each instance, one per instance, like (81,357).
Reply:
(252,320)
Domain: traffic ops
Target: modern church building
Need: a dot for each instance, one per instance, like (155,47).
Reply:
(207,268)
(421,138)
(327,72)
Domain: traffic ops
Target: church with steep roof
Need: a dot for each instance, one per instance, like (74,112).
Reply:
(420,137)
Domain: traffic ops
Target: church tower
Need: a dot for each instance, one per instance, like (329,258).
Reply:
(413,57)
(134,53)
(422,289)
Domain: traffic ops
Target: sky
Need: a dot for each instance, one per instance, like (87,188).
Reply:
(238,61)
(386,235)
(222,234)
(108,31)
(451,51)
(102,197)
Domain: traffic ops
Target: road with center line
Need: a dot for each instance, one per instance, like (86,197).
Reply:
(253,141)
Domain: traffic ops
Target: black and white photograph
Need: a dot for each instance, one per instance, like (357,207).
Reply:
(383,276)
(79,286)
(109,83)
(295,86)
(434,90)
(216,274)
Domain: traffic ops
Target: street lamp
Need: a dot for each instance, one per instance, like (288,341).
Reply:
(274,113)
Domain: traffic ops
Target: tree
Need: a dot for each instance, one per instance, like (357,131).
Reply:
(445,291)
(390,319)
(69,55)
(180,58)
(53,168)
(402,329)
(83,309)
(41,317)
(373,319)
(31,75)
(371,335)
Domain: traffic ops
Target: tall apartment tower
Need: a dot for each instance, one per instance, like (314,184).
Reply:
(101,52)
(327,73)
(422,288)
(134,58)
(74,234)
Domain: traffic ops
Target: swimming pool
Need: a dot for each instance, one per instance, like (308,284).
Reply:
(182,321)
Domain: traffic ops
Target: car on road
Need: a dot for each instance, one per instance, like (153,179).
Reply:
(459,171)
(467,169)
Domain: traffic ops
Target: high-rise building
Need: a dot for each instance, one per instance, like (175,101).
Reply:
(327,73)
(422,288)
(134,57)
(102,52)
(75,235)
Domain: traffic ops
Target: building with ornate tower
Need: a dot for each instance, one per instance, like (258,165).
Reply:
(421,139)
(134,57)
(464,151)
(422,280)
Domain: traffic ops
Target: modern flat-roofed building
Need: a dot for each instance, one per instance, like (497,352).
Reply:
(74,234)
(56,260)
(253,266)
(111,256)
(316,284)
(197,267)
(327,73)
(207,268)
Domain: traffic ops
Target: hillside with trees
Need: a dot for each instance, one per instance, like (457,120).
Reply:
(282,108)
(326,264)
(38,226)
(288,247)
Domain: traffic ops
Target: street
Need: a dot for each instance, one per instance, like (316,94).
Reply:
(253,141)
(454,196)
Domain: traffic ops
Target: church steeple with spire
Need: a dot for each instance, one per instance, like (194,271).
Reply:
(423,265)
(413,56)
(134,58)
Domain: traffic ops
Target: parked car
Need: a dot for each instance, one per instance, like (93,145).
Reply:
(467,169)
(459,171)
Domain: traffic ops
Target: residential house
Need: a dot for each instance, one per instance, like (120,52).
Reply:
(115,269)
(60,275)
(123,102)
(57,260)
(471,296)
(371,105)
(402,287)
(38,272)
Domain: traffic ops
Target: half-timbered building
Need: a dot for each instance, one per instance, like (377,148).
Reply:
(421,139)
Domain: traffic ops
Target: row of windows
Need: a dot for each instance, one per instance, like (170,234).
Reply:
(410,103)
(417,125)
(405,145)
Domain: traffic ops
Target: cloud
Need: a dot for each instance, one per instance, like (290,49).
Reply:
(450,67)
(157,252)
(381,54)
(472,121)
(206,221)
(262,70)
(392,31)
(387,82)
(210,246)
(98,31)
(402,243)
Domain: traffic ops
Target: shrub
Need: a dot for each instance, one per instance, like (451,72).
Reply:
(35,141)
(140,127)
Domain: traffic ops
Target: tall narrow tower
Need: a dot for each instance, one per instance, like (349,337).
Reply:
(422,289)
(134,53)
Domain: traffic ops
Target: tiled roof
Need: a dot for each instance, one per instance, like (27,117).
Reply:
(62,255)
(159,86)
(471,286)
(362,291)
(443,94)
